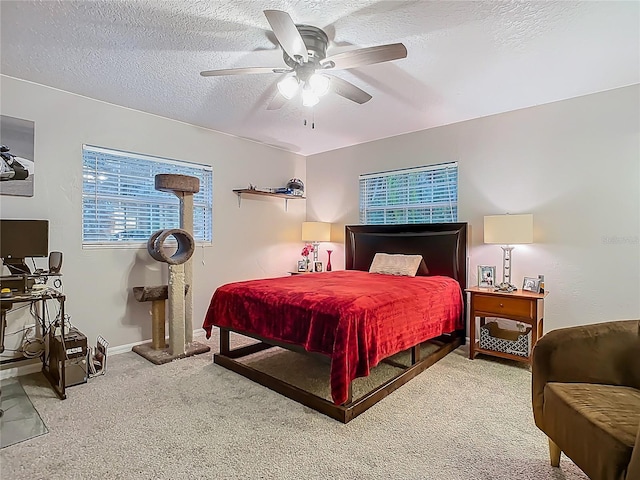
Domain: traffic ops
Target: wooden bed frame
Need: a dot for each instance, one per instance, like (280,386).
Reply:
(444,249)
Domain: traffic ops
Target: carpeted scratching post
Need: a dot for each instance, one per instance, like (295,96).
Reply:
(157,295)
(178,293)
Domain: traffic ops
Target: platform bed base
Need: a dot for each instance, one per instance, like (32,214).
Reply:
(351,408)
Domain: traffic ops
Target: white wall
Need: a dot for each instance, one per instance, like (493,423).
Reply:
(260,239)
(575,165)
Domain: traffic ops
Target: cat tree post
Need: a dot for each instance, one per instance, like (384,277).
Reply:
(183,187)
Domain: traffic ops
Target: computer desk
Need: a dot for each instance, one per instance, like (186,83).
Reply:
(35,297)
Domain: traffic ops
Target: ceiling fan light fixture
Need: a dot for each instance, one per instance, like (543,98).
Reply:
(319,84)
(288,87)
(304,51)
(309,98)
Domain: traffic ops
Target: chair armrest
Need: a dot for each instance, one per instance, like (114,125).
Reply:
(606,353)
(633,471)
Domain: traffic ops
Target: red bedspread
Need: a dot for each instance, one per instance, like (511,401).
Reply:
(356,318)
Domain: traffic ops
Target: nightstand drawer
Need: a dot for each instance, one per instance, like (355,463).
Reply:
(503,305)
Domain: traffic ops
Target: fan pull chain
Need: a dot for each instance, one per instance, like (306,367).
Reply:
(313,121)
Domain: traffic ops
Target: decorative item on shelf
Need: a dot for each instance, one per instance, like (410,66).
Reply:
(296,187)
(508,230)
(316,232)
(531,284)
(486,276)
(253,188)
(329,260)
(317,267)
(541,280)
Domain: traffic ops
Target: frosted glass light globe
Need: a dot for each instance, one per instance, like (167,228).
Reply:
(288,87)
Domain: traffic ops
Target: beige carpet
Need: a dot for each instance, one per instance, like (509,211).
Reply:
(192,419)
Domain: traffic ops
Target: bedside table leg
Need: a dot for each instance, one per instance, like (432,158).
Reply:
(472,337)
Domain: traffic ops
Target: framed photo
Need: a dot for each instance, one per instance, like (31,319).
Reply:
(17,167)
(317,267)
(531,284)
(486,276)
(302,265)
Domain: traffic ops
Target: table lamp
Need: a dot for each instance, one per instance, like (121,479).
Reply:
(508,230)
(314,233)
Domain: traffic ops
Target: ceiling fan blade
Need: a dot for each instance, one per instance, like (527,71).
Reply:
(348,90)
(365,56)
(277,101)
(242,71)
(287,34)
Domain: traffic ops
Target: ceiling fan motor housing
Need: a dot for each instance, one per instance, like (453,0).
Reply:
(316,42)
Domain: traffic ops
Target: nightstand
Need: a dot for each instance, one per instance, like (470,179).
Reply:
(519,306)
(298,273)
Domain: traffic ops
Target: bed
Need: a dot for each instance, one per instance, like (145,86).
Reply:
(354,318)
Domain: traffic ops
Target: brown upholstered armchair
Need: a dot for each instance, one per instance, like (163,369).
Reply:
(586,397)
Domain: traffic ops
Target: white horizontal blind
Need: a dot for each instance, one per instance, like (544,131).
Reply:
(120,204)
(415,195)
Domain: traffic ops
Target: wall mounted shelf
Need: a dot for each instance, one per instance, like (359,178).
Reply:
(246,191)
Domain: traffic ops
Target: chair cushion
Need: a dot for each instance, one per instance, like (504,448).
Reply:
(594,425)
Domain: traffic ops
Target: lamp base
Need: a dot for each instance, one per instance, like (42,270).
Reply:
(506,268)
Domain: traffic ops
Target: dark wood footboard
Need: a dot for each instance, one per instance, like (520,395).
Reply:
(350,409)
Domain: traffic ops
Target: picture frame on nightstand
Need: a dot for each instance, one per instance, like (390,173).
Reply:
(486,276)
(302,265)
(318,267)
(531,284)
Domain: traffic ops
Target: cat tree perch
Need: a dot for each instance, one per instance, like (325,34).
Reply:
(178,293)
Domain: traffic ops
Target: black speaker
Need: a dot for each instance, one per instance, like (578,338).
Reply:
(55,262)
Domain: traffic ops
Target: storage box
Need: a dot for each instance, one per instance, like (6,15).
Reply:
(515,342)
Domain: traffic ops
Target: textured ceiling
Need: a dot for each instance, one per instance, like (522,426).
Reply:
(465,60)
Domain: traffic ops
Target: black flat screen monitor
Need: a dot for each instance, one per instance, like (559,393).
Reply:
(20,239)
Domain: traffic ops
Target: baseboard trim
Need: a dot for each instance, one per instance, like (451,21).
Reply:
(127,347)
(34,365)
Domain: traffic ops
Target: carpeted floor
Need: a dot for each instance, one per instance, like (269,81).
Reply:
(192,419)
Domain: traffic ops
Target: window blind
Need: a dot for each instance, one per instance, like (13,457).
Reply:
(120,204)
(426,194)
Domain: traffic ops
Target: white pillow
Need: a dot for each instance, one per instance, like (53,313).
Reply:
(395,264)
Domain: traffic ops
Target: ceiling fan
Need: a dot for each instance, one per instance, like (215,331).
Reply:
(305,53)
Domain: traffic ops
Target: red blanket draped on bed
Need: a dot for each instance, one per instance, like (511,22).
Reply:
(356,318)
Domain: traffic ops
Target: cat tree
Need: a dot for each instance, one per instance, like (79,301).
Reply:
(178,293)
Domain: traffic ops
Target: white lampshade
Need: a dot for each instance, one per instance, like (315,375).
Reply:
(508,229)
(316,232)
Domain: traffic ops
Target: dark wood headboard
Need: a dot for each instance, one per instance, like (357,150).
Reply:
(442,245)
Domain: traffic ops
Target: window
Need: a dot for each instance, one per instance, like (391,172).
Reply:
(121,206)
(413,195)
